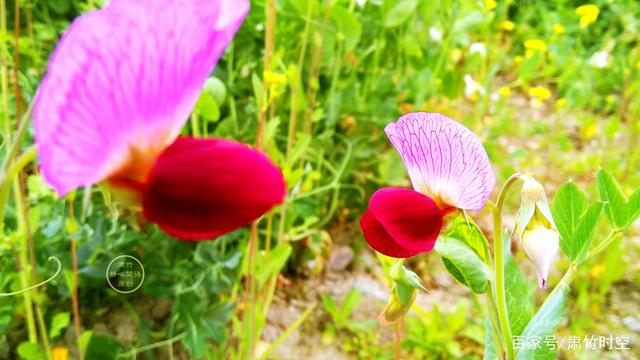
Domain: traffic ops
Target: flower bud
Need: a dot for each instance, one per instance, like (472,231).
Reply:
(541,244)
(536,229)
(395,309)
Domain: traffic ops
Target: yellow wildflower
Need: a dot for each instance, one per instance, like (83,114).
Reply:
(60,353)
(560,103)
(505,91)
(456,55)
(518,59)
(528,54)
(540,92)
(558,29)
(490,4)
(274,78)
(507,25)
(588,14)
(536,45)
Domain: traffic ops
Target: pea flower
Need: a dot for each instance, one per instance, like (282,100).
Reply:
(449,170)
(119,88)
(537,230)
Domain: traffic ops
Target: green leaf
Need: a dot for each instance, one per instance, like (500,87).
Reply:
(103,348)
(519,303)
(490,352)
(273,263)
(463,263)
(30,351)
(349,27)
(586,227)
(60,322)
(215,87)
(575,220)
(543,324)
(621,212)
(464,229)
(350,302)
(400,12)
(207,107)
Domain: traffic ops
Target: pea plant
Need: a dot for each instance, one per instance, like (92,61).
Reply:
(451,173)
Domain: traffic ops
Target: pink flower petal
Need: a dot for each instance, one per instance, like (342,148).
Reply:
(401,222)
(445,160)
(203,188)
(122,82)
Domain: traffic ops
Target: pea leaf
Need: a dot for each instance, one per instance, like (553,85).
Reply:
(575,220)
(103,348)
(463,263)
(465,230)
(60,322)
(30,351)
(348,25)
(535,341)
(620,211)
(519,304)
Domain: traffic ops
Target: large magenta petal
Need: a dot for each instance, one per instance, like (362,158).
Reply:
(401,222)
(445,160)
(122,82)
(202,188)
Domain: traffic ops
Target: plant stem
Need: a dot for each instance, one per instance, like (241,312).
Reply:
(25,270)
(498,249)
(26,232)
(6,176)
(4,77)
(74,290)
(603,245)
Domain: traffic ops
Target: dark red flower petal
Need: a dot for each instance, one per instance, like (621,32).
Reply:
(380,240)
(203,188)
(412,220)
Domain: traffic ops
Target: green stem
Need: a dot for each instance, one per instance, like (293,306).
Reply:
(498,248)
(167,342)
(495,322)
(603,245)
(12,151)
(25,269)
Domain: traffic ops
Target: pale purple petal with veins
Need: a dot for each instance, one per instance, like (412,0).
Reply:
(122,82)
(445,160)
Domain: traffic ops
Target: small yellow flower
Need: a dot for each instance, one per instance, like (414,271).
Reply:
(588,14)
(540,92)
(558,29)
(507,25)
(528,54)
(518,59)
(60,353)
(456,55)
(505,91)
(536,45)
(560,103)
(490,4)
(274,78)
